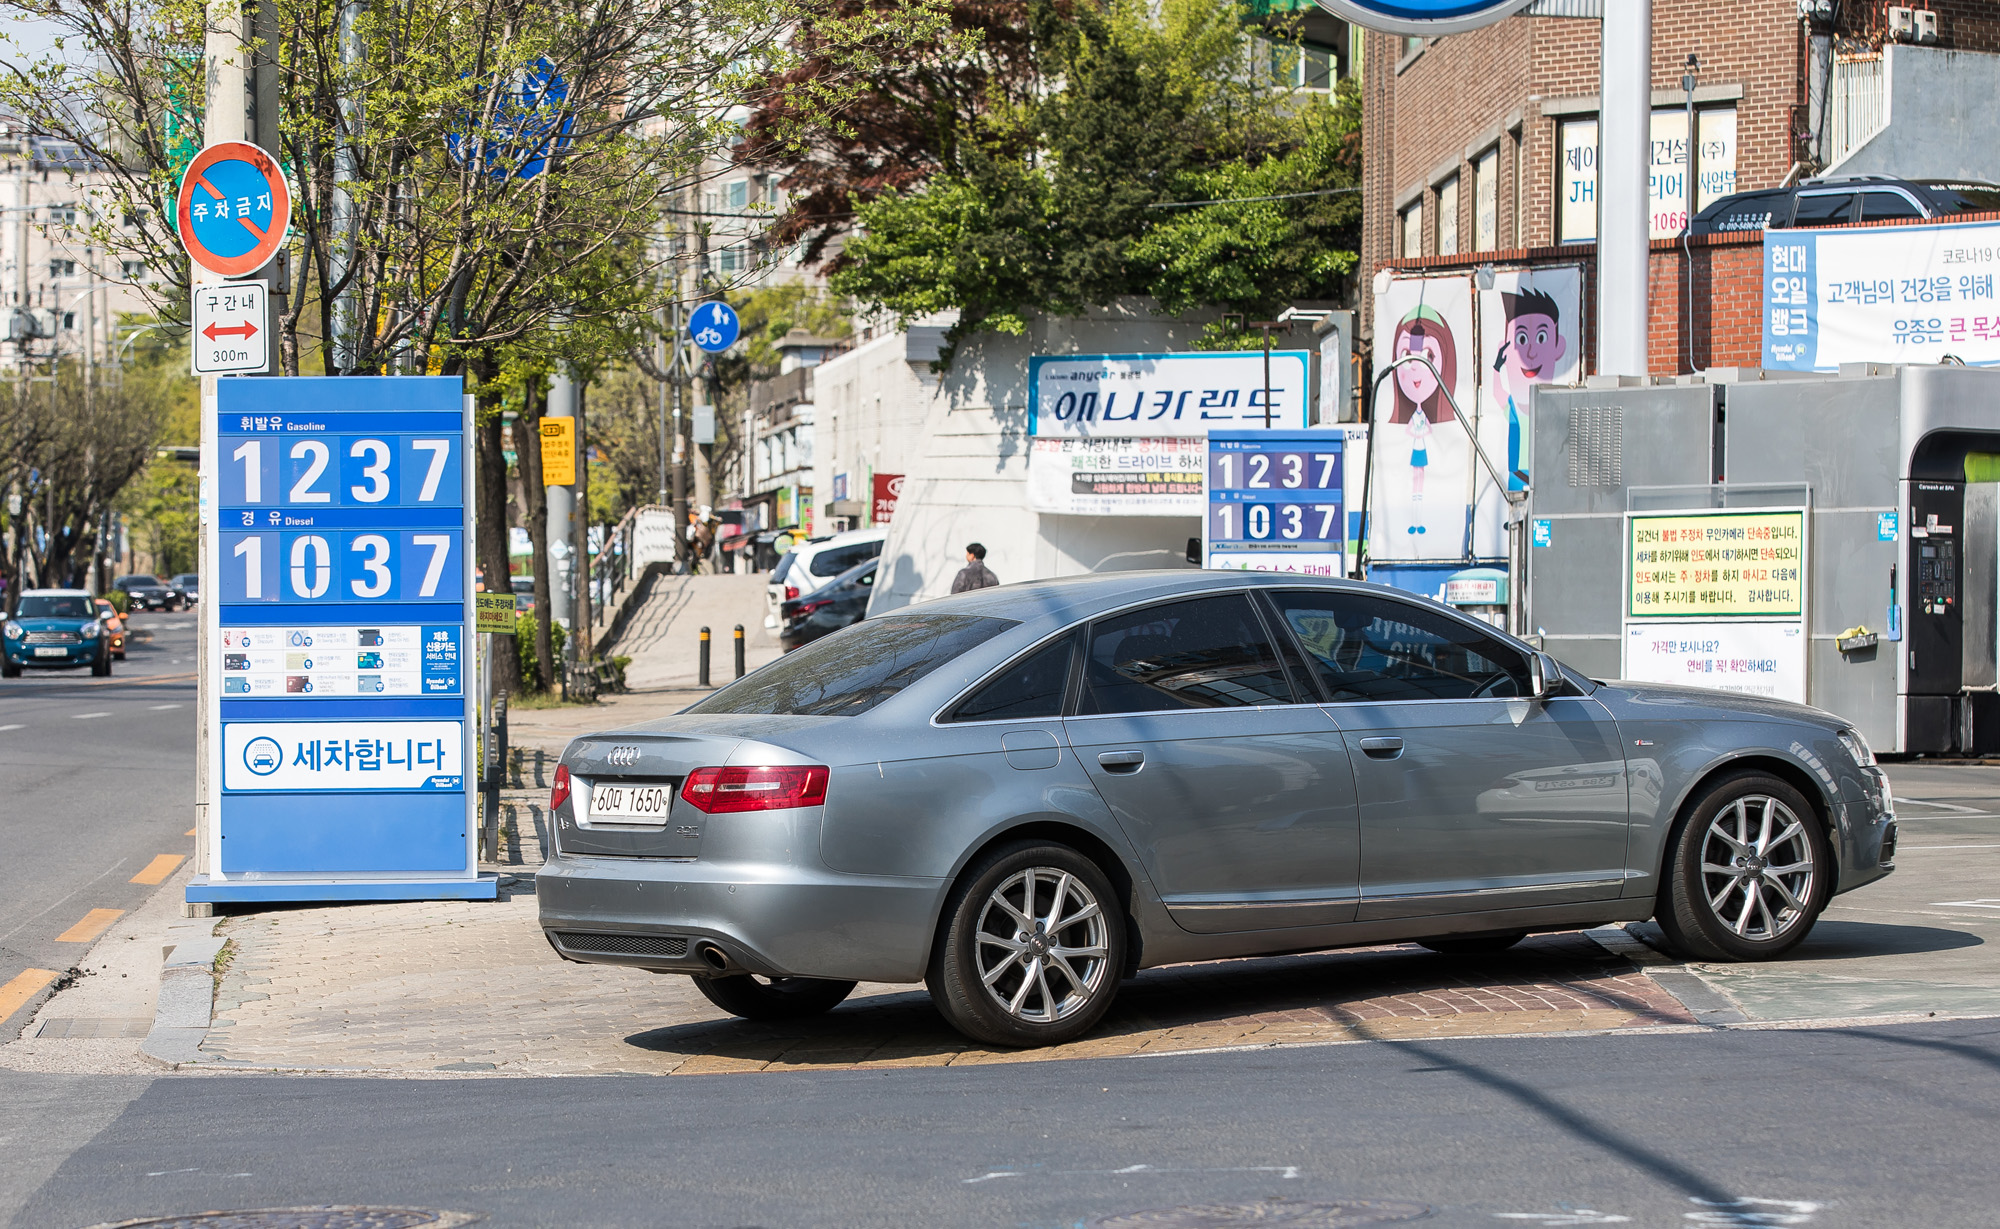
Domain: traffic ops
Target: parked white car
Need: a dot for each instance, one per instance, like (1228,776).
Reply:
(813,565)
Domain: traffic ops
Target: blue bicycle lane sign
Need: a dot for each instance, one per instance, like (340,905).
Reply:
(714,326)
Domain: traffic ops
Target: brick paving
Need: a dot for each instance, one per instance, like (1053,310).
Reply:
(461,986)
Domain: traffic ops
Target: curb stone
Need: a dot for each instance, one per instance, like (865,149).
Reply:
(1704,1002)
(186,1004)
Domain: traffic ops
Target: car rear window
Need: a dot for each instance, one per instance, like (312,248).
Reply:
(47,607)
(856,668)
(1966,198)
(835,560)
(1747,213)
(784,566)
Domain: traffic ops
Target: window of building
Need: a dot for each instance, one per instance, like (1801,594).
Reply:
(62,215)
(1302,65)
(135,270)
(1520,185)
(59,269)
(729,260)
(1448,217)
(1709,164)
(69,320)
(1576,181)
(737,192)
(1413,230)
(1486,201)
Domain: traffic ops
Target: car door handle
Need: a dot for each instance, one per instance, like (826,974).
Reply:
(1122,761)
(1382,748)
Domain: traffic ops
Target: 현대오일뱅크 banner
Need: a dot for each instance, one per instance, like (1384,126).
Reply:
(341,680)
(1890,294)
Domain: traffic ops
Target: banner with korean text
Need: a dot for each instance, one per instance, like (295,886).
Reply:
(1717,599)
(1893,294)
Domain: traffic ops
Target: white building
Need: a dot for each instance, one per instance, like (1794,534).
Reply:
(64,296)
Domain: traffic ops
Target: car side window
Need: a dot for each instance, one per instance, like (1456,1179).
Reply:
(1369,648)
(1208,652)
(1824,209)
(1033,686)
(1885,206)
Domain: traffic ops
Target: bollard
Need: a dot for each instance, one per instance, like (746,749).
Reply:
(702,678)
(739,650)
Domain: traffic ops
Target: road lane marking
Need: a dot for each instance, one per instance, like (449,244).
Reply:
(158,707)
(1909,847)
(192,831)
(94,923)
(5,728)
(86,716)
(1982,903)
(26,985)
(159,868)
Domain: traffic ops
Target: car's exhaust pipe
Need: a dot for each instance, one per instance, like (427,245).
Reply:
(713,956)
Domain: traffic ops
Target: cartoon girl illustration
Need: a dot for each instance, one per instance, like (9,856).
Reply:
(1420,400)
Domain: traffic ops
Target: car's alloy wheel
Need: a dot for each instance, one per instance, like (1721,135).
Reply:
(1032,949)
(1750,873)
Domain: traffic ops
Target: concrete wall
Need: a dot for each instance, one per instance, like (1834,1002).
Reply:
(1939,118)
(962,440)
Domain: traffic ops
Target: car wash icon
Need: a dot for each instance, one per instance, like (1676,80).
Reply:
(263,756)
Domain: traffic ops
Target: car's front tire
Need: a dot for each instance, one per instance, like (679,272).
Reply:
(101,668)
(9,670)
(1749,873)
(1031,947)
(773,998)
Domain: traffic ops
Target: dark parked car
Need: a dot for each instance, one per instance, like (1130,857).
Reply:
(840,603)
(1832,202)
(188,585)
(55,627)
(147,593)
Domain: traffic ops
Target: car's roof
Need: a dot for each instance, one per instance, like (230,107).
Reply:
(55,593)
(1070,598)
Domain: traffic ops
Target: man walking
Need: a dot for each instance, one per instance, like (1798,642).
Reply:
(975,574)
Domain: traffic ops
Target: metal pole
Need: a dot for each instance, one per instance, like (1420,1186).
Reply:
(1624,167)
(1267,378)
(739,650)
(701,677)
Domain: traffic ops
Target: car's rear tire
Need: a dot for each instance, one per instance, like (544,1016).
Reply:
(101,668)
(773,998)
(1473,945)
(1030,949)
(1749,872)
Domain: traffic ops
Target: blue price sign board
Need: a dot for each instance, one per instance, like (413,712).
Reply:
(341,723)
(1275,503)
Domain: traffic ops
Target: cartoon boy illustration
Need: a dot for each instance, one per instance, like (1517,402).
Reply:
(1528,356)
(1420,400)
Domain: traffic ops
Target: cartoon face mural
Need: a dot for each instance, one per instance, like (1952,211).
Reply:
(1424,331)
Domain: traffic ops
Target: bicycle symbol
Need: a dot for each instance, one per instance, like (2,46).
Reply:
(708,337)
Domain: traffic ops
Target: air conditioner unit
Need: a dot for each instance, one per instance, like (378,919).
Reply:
(1902,24)
(1927,26)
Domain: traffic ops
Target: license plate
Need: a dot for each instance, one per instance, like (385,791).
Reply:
(45,651)
(632,804)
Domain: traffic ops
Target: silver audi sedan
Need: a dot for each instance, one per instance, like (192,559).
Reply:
(1020,796)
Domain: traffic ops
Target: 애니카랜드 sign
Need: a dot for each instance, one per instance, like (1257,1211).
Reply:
(339,729)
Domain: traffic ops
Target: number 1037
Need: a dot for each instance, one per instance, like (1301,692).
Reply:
(385,566)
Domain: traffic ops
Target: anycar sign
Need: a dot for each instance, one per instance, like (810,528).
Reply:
(1423,17)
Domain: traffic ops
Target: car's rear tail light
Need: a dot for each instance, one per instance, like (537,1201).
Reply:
(791,591)
(722,790)
(559,793)
(806,608)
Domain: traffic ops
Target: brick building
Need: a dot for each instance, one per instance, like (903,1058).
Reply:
(1482,146)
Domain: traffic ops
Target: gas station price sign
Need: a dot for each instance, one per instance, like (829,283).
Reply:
(339,554)
(1274,502)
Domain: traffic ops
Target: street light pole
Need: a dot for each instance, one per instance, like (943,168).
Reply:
(1624,167)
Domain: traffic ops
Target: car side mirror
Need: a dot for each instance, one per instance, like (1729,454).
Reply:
(1545,677)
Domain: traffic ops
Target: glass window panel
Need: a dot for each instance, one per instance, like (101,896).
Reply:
(1370,648)
(1210,652)
(857,667)
(1824,209)
(1448,217)
(1576,182)
(1031,687)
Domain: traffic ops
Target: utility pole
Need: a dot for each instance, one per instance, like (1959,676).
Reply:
(1624,167)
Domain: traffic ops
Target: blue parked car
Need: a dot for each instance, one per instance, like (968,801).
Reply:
(55,627)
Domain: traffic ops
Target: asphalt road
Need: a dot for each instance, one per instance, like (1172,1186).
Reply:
(1864,1127)
(96,785)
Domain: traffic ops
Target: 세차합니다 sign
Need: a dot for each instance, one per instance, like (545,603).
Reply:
(1716,565)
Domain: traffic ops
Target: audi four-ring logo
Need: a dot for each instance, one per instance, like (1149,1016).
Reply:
(622,757)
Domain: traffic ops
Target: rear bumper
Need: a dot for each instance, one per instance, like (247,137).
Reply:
(652,913)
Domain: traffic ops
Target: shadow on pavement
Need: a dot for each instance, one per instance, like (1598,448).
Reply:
(1838,940)
(1356,993)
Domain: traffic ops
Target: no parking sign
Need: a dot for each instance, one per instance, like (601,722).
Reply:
(233,209)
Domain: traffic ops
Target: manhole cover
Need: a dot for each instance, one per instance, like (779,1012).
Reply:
(1289,1214)
(328,1216)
